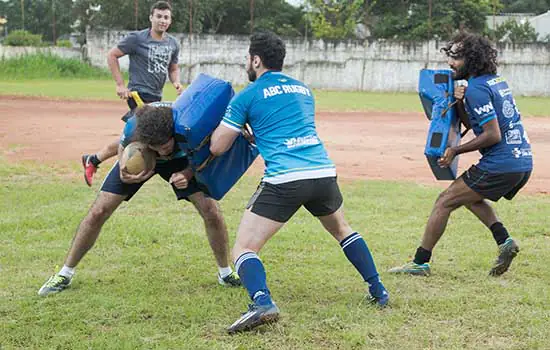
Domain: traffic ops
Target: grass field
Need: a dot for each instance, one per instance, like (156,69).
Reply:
(150,280)
(325,99)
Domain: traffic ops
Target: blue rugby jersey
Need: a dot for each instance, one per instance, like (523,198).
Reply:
(130,128)
(488,97)
(281,112)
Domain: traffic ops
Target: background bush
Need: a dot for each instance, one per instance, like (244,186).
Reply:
(23,38)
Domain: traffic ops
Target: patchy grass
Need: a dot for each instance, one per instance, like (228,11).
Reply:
(150,281)
(325,99)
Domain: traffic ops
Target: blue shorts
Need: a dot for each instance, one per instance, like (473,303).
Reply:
(113,183)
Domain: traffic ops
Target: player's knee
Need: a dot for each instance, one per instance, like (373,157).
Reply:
(447,201)
(211,212)
(99,213)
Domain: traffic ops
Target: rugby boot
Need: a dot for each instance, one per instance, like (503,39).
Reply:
(256,315)
(231,280)
(379,296)
(55,284)
(507,251)
(89,169)
(412,268)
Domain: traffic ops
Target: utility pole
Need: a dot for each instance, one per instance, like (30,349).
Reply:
(136,13)
(54,34)
(430,36)
(251,16)
(190,17)
(23,14)
(494,19)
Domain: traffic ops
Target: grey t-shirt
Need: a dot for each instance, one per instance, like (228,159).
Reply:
(149,60)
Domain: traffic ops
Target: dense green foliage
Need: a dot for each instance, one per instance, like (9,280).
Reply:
(525,6)
(42,17)
(23,38)
(327,19)
(412,20)
(515,32)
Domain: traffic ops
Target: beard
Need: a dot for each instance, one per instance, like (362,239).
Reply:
(251,75)
(459,73)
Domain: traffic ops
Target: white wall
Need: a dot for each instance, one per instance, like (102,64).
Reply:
(347,65)
(16,51)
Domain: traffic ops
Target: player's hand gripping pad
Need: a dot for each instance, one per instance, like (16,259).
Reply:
(436,90)
(197,112)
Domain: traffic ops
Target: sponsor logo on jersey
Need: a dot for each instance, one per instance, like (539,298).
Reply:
(521,152)
(513,137)
(495,81)
(505,92)
(508,109)
(484,109)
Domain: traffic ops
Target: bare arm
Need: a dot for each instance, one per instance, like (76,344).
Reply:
(460,90)
(461,112)
(490,136)
(112,60)
(221,140)
(174,76)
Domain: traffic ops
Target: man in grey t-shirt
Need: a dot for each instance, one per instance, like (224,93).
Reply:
(153,54)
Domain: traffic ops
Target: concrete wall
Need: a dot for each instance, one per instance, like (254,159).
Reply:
(349,65)
(16,51)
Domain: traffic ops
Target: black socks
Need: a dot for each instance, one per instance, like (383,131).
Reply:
(422,256)
(94,160)
(499,232)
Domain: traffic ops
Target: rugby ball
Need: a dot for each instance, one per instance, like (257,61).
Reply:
(137,157)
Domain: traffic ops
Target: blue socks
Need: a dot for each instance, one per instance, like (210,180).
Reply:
(357,252)
(252,274)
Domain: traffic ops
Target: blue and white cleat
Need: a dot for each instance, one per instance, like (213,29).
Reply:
(412,268)
(378,295)
(256,315)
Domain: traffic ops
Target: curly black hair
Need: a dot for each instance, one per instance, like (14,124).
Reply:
(480,57)
(155,125)
(270,48)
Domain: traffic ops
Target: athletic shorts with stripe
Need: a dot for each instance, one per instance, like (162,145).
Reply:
(495,186)
(279,202)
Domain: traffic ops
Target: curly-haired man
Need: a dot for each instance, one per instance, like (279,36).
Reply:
(486,106)
(154,126)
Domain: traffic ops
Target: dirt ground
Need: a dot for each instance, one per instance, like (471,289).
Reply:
(364,145)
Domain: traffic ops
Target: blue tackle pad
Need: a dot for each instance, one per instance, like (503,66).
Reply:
(197,112)
(436,89)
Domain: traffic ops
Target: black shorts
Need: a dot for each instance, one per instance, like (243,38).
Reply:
(113,183)
(146,98)
(495,186)
(279,202)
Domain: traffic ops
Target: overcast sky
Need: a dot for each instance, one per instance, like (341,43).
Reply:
(295,2)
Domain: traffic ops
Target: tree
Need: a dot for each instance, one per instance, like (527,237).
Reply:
(335,19)
(516,32)
(49,18)
(410,20)
(525,6)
